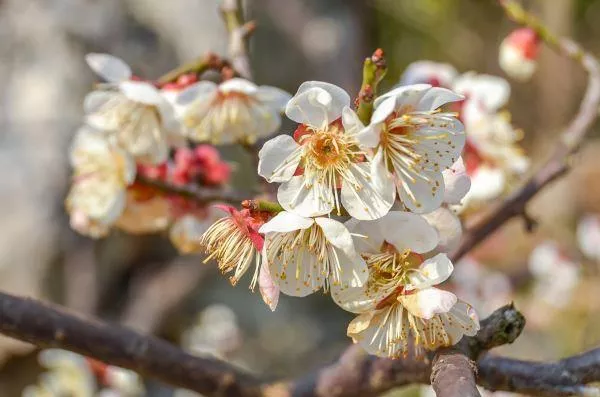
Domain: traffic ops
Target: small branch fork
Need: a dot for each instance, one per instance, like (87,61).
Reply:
(569,142)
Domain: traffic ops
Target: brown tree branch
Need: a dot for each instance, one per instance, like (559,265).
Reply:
(201,195)
(568,144)
(562,378)
(354,374)
(453,374)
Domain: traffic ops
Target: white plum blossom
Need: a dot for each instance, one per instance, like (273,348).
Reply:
(235,111)
(305,255)
(492,156)
(518,53)
(325,167)
(414,142)
(588,236)
(133,114)
(429,72)
(101,174)
(399,306)
(556,275)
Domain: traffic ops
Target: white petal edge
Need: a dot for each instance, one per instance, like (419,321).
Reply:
(110,68)
(275,153)
(285,222)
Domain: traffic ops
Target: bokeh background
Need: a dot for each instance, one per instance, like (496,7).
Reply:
(141,282)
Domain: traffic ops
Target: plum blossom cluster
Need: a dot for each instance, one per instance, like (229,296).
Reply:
(492,156)
(139,135)
(356,215)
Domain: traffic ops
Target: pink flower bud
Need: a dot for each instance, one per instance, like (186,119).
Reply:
(518,54)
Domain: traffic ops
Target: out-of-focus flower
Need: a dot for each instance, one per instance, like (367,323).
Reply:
(133,114)
(325,167)
(588,236)
(518,53)
(144,214)
(414,143)
(305,255)
(201,165)
(486,289)
(556,275)
(235,243)
(398,306)
(215,331)
(187,229)
(101,174)
(428,72)
(68,375)
(235,111)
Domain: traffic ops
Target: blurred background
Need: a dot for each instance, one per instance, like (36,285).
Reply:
(141,282)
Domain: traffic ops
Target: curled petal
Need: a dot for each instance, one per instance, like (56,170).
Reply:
(141,92)
(110,68)
(433,271)
(279,158)
(285,222)
(317,104)
(426,303)
(268,289)
(436,97)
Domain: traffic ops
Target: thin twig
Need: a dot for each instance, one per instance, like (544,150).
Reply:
(239,32)
(569,142)
(208,61)
(199,194)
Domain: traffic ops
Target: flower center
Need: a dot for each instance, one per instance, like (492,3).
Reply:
(388,272)
(330,149)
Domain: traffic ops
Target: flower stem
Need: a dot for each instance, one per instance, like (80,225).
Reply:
(374,70)
(208,61)
(262,205)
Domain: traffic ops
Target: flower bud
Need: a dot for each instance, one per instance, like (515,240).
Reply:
(518,54)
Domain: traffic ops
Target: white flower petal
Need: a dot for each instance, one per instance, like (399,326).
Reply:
(274,97)
(281,154)
(428,71)
(486,183)
(368,236)
(351,122)
(95,100)
(110,68)
(432,271)
(448,226)
(268,289)
(285,222)
(405,230)
(369,136)
(297,196)
(141,92)
(424,193)
(200,90)
(354,300)
(382,332)
(457,182)
(491,91)
(238,85)
(372,196)
(426,303)
(436,97)
(317,104)
(405,96)
(461,320)
(383,110)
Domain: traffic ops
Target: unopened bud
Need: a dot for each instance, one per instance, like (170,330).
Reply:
(518,54)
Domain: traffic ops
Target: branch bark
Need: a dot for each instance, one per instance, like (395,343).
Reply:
(569,142)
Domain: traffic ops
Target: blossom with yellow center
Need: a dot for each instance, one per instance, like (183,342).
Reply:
(398,306)
(326,169)
(235,111)
(101,174)
(414,142)
(133,114)
(305,255)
